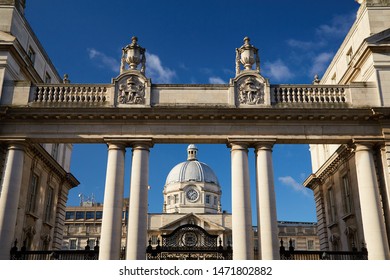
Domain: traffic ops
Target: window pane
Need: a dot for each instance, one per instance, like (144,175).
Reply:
(90,215)
(69,215)
(80,215)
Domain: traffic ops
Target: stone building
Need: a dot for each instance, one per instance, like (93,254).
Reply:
(340,181)
(192,196)
(343,117)
(41,189)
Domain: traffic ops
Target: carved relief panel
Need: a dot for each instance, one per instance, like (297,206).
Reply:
(251,89)
(131,91)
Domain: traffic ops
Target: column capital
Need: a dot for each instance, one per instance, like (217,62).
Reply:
(366,144)
(146,143)
(17,144)
(264,145)
(249,142)
(113,145)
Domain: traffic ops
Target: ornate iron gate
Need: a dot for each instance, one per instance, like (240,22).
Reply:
(189,242)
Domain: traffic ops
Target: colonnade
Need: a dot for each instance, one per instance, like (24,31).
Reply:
(372,218)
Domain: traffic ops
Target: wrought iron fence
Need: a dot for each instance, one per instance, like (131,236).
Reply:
(86,254)
(292,254)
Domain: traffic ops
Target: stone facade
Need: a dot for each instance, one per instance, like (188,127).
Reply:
(348,106)
(39,197)
(362,58)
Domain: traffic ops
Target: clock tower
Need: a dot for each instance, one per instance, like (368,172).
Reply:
(192,187)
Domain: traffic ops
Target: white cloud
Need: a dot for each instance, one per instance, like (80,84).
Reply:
(103,60)
(320,62)
(216,80)
(338,26)
(278,70)
(156,71)
(290,182)
(305,45)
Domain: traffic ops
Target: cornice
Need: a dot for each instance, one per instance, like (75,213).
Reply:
(191,114)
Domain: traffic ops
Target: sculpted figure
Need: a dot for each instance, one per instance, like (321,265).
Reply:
(251,92)
(131,92)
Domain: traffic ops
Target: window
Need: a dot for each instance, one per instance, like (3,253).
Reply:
(72,244)
(154,239)
(47,78)
(349,55)
(49,204)
(69,215)
(90,215)
(54,151)
(347,198)
(333,79)
(215,200)
(208,199)
(31,54)
(32,194)
(176,198)
(310,244)
(99,215)
(92,243)
(331,206)
(80,215)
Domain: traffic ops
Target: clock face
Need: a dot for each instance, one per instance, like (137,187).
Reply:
(192,195)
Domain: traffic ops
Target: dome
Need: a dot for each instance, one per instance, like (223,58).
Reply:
(191,170)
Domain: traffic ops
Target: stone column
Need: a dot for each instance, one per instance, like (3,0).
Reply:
(266,203)
(138,207)
(370,204)
(241,204)
(111,234)
(9,198)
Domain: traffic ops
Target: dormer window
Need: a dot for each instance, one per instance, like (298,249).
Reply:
(31,54)
(349,55)
(47,78)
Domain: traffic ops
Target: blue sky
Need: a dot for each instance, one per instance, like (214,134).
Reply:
(194,42)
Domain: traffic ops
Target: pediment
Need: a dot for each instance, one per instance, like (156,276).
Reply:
(192,218)
(381,38)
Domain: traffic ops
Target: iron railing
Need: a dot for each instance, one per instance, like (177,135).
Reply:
(86,254)
(292,254)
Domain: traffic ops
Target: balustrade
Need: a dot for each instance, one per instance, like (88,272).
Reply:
(71,94)
(309,94)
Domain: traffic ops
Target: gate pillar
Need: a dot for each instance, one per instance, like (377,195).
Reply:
(138,206)
(110,241)
(266,203)
(9,198)
(241,203)
(371,209)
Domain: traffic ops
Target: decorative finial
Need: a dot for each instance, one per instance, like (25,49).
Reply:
(133,54)
(247,55)
(66,80)
(316,80)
